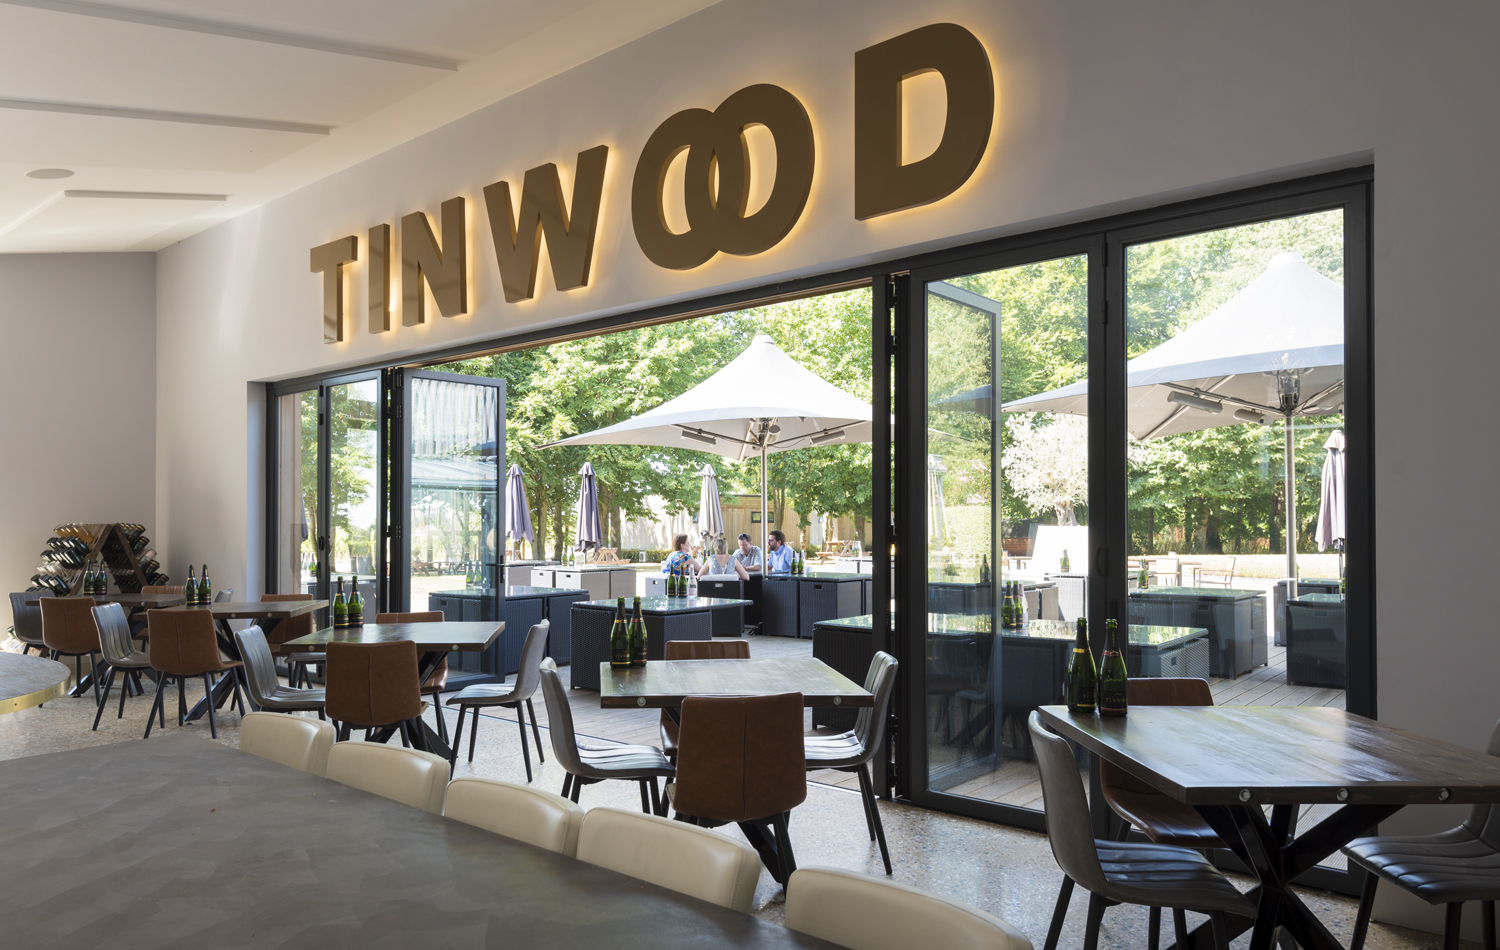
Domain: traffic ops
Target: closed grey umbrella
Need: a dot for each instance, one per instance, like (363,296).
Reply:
(517,508)
(1330,530)
(588,534)
(710,514)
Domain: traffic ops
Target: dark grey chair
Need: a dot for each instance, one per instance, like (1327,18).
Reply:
(528,678)
(852,751)
(590,764)
(1451,867)
(266,691)
(28,621)
(1121,872)
(120,655)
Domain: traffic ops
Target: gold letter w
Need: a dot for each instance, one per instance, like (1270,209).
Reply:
(570,241)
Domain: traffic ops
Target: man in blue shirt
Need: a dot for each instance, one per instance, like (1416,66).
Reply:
(779,559)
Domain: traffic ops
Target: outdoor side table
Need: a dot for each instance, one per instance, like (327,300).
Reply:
(475,605)
(558,612)
(1167,651)
(1307,585)
(779,598)
(1317,641)
(846,644)
(666,618)
(1235,621)
(729,621)
(827,597)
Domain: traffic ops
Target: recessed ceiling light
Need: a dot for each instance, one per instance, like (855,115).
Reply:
(50,173)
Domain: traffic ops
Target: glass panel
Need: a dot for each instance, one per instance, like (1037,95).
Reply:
(353,446)
(455,526)
(1007,502)
(297,493)
(1236,342)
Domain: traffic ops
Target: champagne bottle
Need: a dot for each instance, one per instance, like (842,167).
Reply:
(340,607)
(1083,675)
(1112,674)
(619,638)
(205,588)
(692,585)
(191,588)
(671,580)
(1006,608)
(1065,564)
(356,606)
(984,569)
(637,637)
(1143,579)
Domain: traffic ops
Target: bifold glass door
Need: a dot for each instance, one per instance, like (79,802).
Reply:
(447,550)
(1003,552)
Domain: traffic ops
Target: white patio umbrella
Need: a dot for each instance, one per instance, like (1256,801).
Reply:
(1276,349)
(587,513)
(710,514)
(1330,530)
(517,508)
(761,402)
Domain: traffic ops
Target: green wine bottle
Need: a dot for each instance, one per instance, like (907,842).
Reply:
(205,588)
(340,607)
(1112,675)
(356,606)
(637,637)
(1065,564)
(190,590)
(1083,675)
(619,638)
(1143,579)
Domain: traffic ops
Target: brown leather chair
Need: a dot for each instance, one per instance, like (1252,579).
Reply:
(1161,818)
(696,650)
(183,644)
(740,759)
(290,629)
(373,685)
(437,680)
(68,629)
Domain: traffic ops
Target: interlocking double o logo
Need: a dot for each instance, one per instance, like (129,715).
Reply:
(716,141)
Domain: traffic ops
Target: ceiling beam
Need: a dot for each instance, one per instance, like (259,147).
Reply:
(193,25)
(143,195)
(191,118)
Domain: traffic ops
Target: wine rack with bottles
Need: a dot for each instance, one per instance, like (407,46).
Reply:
(76,551)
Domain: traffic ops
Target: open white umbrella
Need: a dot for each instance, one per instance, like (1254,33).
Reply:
(762,401)
(517,508)
(587,514)
(710,514)
(1276,349)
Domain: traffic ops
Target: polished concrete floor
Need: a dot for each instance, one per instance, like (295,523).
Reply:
(1001,870)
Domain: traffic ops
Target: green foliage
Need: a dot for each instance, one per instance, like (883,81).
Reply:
(582,385)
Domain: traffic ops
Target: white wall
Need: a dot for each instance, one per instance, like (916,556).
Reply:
(77,377)
(1101,107)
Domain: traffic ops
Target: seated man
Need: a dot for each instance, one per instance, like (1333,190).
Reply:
(748,556)
(779,557)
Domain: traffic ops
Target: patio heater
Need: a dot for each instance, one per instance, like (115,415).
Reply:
(1289,393)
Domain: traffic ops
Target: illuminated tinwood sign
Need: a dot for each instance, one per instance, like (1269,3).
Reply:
(716,187)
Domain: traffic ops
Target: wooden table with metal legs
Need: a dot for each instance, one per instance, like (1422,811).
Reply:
(1229,762)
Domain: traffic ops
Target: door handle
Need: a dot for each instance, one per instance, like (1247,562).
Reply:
(1101,561)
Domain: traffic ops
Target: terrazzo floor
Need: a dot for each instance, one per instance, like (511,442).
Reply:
(1002,870)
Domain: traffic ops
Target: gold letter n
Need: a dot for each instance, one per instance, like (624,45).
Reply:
(445,268)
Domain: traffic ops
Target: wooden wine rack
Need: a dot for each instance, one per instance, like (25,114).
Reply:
(118,557)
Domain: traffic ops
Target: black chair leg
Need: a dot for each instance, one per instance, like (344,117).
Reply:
(658,803)
(567,785)
(536,732)
(208,691)
(645,795)
(525,753)
(1153,931)
(181,700)
(1366,904)
(1451,925)
(437,710)
(1220,927)
(405,730)
(138,691)
(109,682)
(1487,911)
(458,735)
(151,716)
(867,784)
(1096,917)
(786,858)
(94,674)
(1179,924)
(577,787)
(473,734)
(1064,895)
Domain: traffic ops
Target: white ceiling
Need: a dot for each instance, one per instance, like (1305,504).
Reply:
(184,114)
